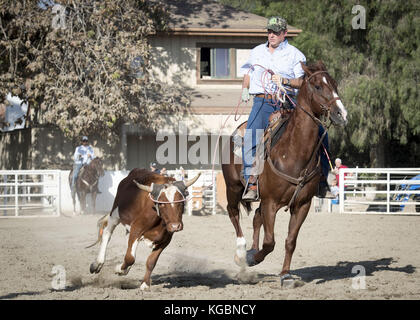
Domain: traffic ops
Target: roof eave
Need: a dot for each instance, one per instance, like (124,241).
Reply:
(225,32)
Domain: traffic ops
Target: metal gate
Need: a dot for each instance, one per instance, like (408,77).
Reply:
(29,193)
(381,190)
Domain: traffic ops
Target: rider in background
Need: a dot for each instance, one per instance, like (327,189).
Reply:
(82,156)
(283,62)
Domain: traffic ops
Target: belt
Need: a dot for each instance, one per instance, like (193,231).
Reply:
(265,96)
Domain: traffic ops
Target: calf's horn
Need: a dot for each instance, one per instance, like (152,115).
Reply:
(143,187)
(193,180)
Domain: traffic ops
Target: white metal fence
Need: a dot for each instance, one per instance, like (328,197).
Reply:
(36,193)
(381,190)
(33,193)
(29,193)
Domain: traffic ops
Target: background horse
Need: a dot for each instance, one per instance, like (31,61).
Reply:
(290,173)
(87,182)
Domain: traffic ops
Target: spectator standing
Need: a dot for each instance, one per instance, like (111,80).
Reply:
(338,166)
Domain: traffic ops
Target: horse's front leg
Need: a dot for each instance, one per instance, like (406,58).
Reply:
(256,223)
(73,196)
(93,197)
(268,209)
(82,198)
(240,253)
(297,217)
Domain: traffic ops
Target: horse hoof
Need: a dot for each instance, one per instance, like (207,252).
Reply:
(287,281)
(95,267)
(144,286)
(240,261)
(119,271)
(250,257)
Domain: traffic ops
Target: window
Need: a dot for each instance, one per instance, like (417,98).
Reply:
(221,63)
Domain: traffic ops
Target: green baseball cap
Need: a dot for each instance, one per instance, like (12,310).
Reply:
(277,24)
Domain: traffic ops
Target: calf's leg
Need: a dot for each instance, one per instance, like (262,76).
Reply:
(130,256)
(106,228)
(151,263)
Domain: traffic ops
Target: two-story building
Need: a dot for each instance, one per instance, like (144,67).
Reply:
(202,51)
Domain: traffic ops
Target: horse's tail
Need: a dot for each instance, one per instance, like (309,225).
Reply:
(102,223)
(247,206)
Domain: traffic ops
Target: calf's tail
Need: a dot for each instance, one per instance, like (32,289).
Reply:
(102,223)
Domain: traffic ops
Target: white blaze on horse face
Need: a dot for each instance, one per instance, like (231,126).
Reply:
(341,106)
(338,102)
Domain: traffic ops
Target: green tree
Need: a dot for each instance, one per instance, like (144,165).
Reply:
(377,69)
(79,66)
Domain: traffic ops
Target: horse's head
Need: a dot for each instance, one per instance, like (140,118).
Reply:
(322,94)
(97,165)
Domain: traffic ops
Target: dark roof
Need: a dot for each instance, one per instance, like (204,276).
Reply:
(209,17)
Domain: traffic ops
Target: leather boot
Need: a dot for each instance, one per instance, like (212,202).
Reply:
(251,192)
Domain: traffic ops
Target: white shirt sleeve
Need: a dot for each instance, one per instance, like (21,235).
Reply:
(76,154)
(245,68)
(297,69)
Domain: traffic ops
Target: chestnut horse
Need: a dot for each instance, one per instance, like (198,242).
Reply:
(290,173)
(87,182)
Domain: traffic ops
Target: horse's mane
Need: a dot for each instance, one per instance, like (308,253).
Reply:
(319,66)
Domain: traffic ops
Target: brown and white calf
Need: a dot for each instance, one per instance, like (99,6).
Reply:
(150,207)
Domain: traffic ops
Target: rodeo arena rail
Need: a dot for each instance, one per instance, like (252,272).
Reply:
(46,193)
(30,193)
(384,190)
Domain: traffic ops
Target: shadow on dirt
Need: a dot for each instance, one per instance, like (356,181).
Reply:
(344,269)
(212,279)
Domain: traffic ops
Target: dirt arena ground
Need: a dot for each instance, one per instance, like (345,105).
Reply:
(198,264)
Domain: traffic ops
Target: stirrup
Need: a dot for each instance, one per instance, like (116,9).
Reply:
(257,192)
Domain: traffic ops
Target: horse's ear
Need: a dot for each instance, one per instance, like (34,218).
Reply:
(321,65)
(306,69)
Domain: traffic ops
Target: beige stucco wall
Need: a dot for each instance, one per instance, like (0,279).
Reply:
(174,57)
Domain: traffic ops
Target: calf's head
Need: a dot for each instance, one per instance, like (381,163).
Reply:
(169,201)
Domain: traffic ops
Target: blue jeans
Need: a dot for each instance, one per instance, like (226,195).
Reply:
(257,123)
(76,170)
